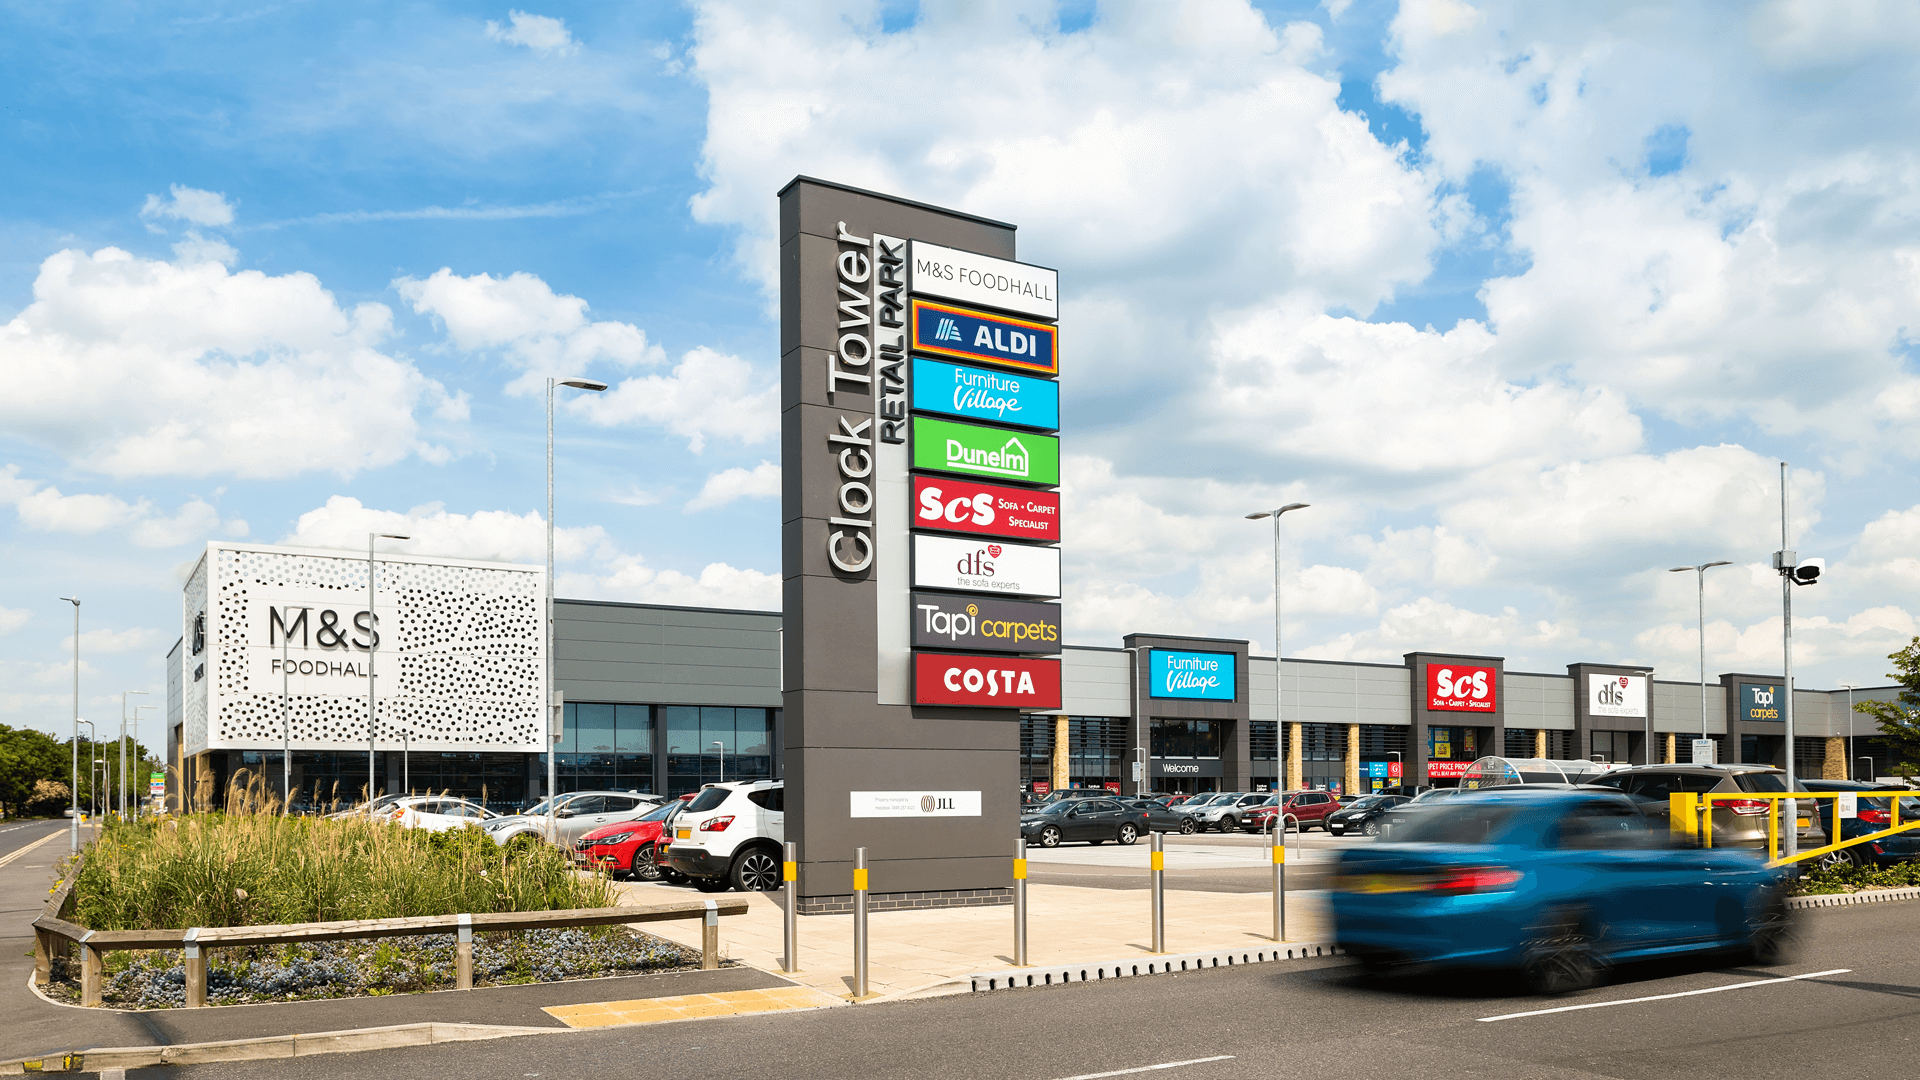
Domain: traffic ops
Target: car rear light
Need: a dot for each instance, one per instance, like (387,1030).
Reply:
(716,824)
(1745,807)
(1876,817)
(1474,879)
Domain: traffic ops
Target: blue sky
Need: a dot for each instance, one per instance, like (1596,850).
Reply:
(1528,301)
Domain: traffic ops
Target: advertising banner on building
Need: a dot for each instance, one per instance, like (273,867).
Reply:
(1447,770)
(985,337)
(951,504)
(952,274)
(942,621)
(1012,682)
(1617,695)
(1206,676)
(1462,687)
(999,396)
(993,453)
(949,562)
(1760,703)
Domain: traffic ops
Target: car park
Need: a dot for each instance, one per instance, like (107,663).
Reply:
(731,836)
(1363,816)
(1162,818)
(1872,814)
(1557,884)
(575,814)
(627,846)
(435,813)
(1736,822)
(1225,812)
(1093,820)
(1299,810)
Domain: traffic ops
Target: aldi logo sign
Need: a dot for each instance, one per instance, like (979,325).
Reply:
(999,396)
(994,453)
(984,337)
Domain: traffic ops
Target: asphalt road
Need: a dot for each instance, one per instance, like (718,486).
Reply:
(1319,1018)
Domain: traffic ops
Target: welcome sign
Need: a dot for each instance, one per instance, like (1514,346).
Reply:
(985,395)
(993,453)
(1203,676)
(1001,340)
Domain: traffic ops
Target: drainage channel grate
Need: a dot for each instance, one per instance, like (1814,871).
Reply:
(1054,975)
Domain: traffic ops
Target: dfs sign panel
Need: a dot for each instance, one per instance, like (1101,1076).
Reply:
(1200,676)
(1462,688)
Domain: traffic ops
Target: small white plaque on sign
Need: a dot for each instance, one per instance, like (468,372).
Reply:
(868,804)
(1704,751)
(1849,805)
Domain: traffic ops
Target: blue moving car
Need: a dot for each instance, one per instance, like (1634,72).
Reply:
(1556,884)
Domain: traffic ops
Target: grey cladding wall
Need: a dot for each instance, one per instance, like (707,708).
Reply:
(666,655)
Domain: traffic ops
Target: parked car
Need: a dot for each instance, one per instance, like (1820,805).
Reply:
(436,813)
(1162,818)
(1094,820)
(1363,816)
(627,846)
(1736,822)
(1874,814)
(575,814)
(1557,884)
(1306,808)
(731,836)
(1063,794)
(1431,799)
(374,809)
(1226,811)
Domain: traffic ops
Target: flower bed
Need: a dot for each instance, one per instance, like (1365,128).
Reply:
(1847,879)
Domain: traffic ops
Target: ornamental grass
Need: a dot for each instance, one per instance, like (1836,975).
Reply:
(251,865)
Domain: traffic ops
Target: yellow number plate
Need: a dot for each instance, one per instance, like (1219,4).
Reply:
(1803,822)
(1379,883)
(683,834)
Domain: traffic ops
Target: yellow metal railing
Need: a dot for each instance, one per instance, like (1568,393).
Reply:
(1690,816)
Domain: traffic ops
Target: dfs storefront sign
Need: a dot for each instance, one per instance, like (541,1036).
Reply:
(950,562)
(985,395)
(992,453)
(994,682)
(1617,695)
(1195,675)
(1462,688)
(1759,702)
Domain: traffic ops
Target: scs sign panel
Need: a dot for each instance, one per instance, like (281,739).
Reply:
(998,396)
(1012,682)
(1462,687)
(954,505)
(965,622)
(1203,675)
(948,562)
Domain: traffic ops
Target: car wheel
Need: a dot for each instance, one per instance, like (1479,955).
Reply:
(673,877)
(1558,955)
(644,867)
(1186,826)
(1833,860)
(1128,833)
(1227,824)
(1050,836)
(712,884)
(756,871)
(1772,935)
(1371,828)
(1290,822)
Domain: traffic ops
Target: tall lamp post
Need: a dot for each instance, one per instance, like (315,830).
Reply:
(720,755)
(73,777)
(595,386)
(1850,756)
(121,787)
(1700,578)
(1278,720)
(1136,659)
(139,763)
(92,737)
(373,643)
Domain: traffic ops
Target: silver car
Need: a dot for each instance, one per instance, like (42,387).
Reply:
(1225,811)
(575,814)
(1736,822)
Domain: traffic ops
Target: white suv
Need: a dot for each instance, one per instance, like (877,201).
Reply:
(731,836)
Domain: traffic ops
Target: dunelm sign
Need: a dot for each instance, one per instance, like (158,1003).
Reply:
(1204,676)
(985,395)
(994,453)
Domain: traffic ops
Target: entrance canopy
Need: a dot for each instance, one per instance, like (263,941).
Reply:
(1502,772)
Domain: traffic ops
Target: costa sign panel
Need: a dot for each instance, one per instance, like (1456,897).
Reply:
(1462,687)
(982,336)
(993,682)
(955,505)
(984,566)
(966,622)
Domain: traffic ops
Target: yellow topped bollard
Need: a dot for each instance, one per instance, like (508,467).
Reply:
(1683,810)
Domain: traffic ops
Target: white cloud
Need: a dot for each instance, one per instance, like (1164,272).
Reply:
(497,535)
(708,394)
(111,641)
(12,619)
(1427,623)
(47,510)
(541,33)
(137,367)
(191,205)
(717,585)
(202,249)
(544,333)
(728,485)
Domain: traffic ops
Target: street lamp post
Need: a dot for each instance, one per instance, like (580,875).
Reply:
(720,756)
(73,776)
(373,643)
(121,787)
(1135,660)
(1700,579)
(92,736)
(1647,739)
(595,386)
(1278,720)
(1849,687)
(141,763)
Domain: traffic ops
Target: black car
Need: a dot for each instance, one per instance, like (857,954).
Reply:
(1873,814)
(1363,815)
(1094,820)
(1161,818)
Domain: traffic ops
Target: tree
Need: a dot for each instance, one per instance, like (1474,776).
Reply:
(1900,719)
(27,758)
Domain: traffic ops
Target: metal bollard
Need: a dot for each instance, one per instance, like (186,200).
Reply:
(1020,903)
(859,922)
(463,953)
(710,939)
(1157,870)
(1279,885)
(790,877)
(196,970)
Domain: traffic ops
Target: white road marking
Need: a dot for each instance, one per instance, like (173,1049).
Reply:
(1667,997)
(1149,1068)
(17,852)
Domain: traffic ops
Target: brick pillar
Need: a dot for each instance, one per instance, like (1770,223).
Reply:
(1835,765)
(1673,748)
(1061,777)
(1293,757)
(1540,742)
(1352,783)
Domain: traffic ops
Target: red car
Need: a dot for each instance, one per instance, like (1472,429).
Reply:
(1309,808)
(629,847)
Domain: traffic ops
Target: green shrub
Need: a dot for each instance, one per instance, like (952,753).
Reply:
(1849,878)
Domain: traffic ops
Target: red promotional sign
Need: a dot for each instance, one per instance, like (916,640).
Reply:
(942,502)
(1462,687)
(1113,786)
(1041,787)
(1441,770)
(1393,770)
(994,682)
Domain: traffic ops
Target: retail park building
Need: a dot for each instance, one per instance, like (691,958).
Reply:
(664,699)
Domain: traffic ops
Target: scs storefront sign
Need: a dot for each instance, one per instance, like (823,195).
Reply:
(994,453)
(985,337)
(1617,695)
(954,505)
(966,622)
(1462,687)
(947,272)
(1013,682)
(999,396)
(949,562)
(1204,676)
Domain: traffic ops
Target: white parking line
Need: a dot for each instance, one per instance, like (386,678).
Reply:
(1667,997)
(1149,1068)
